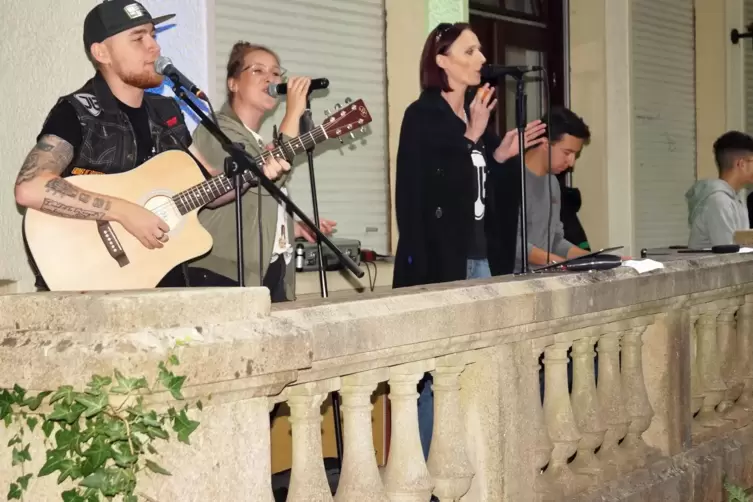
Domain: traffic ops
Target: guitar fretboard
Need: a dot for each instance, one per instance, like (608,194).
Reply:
(199,195)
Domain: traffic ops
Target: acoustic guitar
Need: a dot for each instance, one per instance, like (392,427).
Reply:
(75,255)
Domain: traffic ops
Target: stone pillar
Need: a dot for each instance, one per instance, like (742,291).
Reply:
(709,364)
(448,462)
(560,421)
(612,403)
(726,329)
(600,83)
(308,479)
(636,399)
(696,389)
(231,438)
(360,479)
(745,350)
(406,477)
(586,409)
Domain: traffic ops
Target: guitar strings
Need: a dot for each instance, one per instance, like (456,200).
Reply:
(195,192)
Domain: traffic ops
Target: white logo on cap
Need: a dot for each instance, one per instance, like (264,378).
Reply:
(134,10)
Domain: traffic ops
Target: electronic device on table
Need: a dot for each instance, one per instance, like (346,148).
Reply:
(306,259)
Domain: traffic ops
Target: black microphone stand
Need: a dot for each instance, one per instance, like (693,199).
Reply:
(306,125)
(238,163)
(235,173)
(520,123)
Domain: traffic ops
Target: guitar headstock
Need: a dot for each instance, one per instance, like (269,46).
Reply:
(346,119)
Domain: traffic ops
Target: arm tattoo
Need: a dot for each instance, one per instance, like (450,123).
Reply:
(61,188)
(50,154)
(56,208)
(100,203)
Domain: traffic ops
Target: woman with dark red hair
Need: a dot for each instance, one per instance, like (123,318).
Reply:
(450,226)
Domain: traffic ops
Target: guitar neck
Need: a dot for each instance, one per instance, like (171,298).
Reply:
(202,194)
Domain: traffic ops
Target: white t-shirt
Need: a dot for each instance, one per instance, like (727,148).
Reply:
(282,245)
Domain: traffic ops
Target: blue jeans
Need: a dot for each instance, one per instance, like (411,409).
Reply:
(476,269)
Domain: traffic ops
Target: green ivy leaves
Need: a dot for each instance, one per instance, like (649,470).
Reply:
(91,441)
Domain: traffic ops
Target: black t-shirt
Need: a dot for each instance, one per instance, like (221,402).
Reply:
(477,248)
(63,123)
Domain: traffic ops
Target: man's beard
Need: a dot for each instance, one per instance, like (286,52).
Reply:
(145,80)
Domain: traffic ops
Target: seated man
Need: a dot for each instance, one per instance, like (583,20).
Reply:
(715,211)
(568,134)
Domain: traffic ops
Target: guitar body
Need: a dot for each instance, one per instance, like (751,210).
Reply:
(73,255)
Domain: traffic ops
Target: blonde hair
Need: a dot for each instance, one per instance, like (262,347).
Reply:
(236,61)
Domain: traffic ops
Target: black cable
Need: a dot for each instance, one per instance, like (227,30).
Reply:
(211,111)
(372,283)
(549,167)
(376,271)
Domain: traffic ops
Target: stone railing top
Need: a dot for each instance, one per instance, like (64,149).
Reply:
(475,309)
(227,341)
(130,310)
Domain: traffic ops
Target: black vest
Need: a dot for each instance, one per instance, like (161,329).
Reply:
(108,139)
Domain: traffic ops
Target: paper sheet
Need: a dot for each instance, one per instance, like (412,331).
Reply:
(643,266)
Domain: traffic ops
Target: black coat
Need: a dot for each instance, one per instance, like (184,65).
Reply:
(434,196)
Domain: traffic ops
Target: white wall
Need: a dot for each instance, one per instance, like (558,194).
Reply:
(43,58)
(184,40)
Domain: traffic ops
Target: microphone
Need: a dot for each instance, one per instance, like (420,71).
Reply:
(497,71)
(316,83)
(164,66)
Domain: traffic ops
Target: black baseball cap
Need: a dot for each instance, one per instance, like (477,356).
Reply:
(116,16)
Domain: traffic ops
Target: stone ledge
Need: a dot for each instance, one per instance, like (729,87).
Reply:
(131,310)
(228,356)
(692,476)
(437,312)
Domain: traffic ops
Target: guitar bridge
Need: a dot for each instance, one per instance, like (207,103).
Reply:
(111,242)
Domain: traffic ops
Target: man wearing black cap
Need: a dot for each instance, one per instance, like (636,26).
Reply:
(108,126)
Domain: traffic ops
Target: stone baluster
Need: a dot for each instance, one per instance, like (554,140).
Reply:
(609,392)
(726,336)
(696,389)
(558,413)
(308,479)
(586,409)
(448,461)
(637,405)
(544,485)
(709,367)
(406,477)
(360,479)
(745,349)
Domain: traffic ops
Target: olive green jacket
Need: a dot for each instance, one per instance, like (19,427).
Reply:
(220,222)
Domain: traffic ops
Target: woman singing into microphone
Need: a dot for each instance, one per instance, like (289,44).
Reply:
(250,71)
(450,227)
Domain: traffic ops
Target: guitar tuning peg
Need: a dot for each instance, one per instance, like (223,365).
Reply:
(348,100)
(363,130)
(341,140)
(337,106)
(327,112)
(352,135)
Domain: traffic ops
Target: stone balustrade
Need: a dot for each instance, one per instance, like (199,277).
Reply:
(602,386)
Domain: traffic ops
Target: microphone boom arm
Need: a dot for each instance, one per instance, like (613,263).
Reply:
(247,163)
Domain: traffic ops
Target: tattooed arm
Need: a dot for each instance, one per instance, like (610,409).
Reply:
(39,186)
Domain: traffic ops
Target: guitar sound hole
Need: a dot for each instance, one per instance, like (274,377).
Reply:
(164,207)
